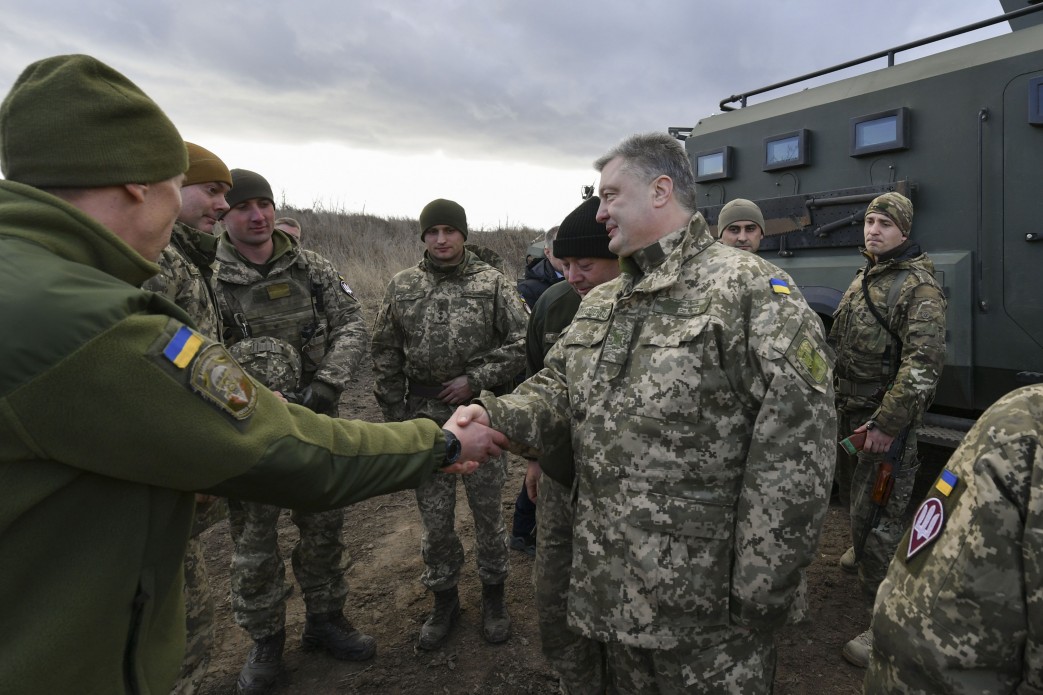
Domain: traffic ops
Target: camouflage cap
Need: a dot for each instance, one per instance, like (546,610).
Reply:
(897,207)
(273,362)
(738,210)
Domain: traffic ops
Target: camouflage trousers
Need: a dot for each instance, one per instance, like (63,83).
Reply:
(440,545)
(855,478)
(742,665)
(258,575)
(199,602)
(578,660)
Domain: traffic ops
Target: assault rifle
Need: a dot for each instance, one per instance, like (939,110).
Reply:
(889,468)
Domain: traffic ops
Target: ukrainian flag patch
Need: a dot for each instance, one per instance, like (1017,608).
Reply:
(183,347)
(946,482)
(779,286)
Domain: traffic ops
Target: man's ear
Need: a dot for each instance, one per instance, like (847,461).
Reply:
(137,191)
(662,190)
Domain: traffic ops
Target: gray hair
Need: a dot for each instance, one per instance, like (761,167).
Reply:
(650,155)
(549,237)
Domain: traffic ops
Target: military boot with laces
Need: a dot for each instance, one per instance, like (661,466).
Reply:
(496,624)
(436,629)
(333,632)
(263,665)
(858,650)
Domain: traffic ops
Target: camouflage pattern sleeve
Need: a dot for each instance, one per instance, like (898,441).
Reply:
(789,466)
(961,609)
(506,356)
(183,284)
(348,337)
(923,355)
(389,359)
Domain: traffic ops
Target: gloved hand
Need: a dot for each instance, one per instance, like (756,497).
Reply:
(318,397)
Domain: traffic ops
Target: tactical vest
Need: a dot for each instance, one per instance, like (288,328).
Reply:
(289,306)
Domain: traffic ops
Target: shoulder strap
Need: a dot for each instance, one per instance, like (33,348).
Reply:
(892,298)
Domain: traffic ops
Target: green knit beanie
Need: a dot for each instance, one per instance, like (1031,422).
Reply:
(581,235)
(73,122)
(736,211)
(443,211)
(897,207)
(247,185)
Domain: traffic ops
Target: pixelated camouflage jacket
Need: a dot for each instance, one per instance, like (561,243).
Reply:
(435,326)
(865,349)
(302,295)
(964,614)
(699,401)
(188,266)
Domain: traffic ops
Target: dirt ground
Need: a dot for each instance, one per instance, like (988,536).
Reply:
(387,601)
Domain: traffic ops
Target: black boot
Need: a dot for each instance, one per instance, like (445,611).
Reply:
(262,665)
(441,621)
(333,632)
(496,624)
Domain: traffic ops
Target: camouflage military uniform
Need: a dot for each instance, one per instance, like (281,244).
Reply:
(697,391)
(187,266)
(435,324)
(964,613)
(578,660)
(303,302)
(869,387)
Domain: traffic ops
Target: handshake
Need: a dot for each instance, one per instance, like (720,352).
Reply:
(478,442)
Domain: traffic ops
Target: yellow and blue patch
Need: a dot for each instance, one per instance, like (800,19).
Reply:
(779,286)
(183,347)
(946,482)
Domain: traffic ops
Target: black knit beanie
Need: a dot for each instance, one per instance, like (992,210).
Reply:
(247,185)
(443,211)
(581,235)
(71,121)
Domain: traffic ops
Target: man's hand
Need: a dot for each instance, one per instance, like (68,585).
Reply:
(478,442)
(466,414)
(456,391)
(877,441)
(318,397)
(533,472)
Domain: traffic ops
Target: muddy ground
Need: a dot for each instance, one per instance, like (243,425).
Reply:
(387,601)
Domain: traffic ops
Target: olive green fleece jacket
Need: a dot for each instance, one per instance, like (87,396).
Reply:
(103,439)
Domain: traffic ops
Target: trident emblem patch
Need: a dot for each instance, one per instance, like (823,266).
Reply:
(927,524)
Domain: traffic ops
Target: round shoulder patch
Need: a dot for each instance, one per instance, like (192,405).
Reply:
(219,379)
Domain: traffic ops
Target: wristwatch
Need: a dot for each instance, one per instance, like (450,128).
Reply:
(452,448)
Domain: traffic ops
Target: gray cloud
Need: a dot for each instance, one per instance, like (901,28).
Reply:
(544,82)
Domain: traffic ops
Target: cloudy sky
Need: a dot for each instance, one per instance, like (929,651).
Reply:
(501,105)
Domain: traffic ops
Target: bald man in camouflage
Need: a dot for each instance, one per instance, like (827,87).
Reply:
(889,335)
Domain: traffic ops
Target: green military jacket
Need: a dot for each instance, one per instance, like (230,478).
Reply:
(550,316)
(866,371)
(186,269)
(696,389)
(113,410)
(437,324)
(961,609)
(302,300)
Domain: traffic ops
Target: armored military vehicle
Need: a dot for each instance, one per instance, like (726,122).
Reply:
(960,133)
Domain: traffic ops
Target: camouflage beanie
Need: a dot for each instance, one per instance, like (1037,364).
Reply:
(897,207)
(73,122)
(736,211)
(247,185)
(205,167)
(581,235)
(445,212)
